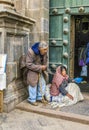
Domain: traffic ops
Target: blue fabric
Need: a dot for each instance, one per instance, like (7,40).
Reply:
(87,59)
(78,80)
(87,54)
(35,93)
(87,49)
(32,93)
(39,94)
(50,98)
(35,48)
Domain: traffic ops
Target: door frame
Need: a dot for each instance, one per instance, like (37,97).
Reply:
(72,45)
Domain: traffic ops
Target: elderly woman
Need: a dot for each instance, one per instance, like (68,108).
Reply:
(36,62)
(63,90)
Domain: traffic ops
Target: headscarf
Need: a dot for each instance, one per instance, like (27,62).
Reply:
(35,48)
(58,77)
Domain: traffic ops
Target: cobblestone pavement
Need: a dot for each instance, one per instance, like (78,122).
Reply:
(22,120)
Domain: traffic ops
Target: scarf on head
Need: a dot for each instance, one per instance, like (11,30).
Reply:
(58,77)
(35,48)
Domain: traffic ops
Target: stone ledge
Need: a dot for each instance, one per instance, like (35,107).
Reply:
(7,2)
(53,113)
(12,15)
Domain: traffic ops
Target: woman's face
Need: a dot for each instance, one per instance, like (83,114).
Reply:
(63,72)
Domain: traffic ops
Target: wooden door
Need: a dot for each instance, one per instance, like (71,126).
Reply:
(72,46)
(58,35)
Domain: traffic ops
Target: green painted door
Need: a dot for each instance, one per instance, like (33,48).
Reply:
(63,37)
(58,35)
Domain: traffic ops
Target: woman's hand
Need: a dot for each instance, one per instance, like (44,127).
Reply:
(70,96)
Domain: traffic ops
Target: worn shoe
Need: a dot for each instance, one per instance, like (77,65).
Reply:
(42,101)
(33,103)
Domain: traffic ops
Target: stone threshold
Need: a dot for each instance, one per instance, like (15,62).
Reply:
(56,113)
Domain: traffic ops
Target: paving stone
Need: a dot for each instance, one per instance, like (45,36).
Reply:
(22,120)
(78,112)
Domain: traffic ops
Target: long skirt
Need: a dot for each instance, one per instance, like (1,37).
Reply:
(62,100)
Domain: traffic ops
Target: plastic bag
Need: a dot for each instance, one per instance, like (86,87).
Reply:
(78,79)
(84,71)
(81,62)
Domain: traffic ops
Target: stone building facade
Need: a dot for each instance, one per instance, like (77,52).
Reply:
(38,10)
(22,22)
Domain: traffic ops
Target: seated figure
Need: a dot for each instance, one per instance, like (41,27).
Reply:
(63,91)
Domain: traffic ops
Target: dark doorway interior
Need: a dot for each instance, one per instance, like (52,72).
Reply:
(81,40)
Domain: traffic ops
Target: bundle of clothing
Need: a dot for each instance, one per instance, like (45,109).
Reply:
(56,96)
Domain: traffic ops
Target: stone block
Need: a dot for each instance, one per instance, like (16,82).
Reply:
(10,101)
(45,4)
(44,36)
(16,101)
(44,25)
(33,4)
(1,101)
(1,44)
(9,106)
(36,37)
(44,13)
(9,48)
(11,71)
(35,14)
(15,93)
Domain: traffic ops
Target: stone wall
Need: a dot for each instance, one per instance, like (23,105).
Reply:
(38,10)
(20,26)
(14,41)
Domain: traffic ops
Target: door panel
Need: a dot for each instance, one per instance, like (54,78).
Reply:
(72,46)
(58,33)
(76,3)
(54,56)
(55,41)
(56,26)
(57,3)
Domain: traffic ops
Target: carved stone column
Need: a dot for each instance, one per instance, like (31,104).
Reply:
(14,41)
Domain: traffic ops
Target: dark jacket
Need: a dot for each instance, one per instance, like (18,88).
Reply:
(64,85)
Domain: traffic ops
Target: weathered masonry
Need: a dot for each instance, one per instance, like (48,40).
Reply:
(14,41)
(22,22)
(69,33)
(68,27)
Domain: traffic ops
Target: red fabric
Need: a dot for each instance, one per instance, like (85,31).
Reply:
(56,82)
